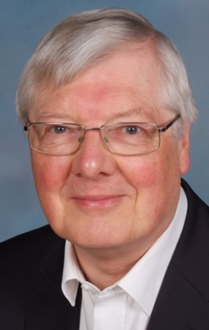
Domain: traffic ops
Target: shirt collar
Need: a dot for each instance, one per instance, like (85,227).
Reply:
(72,274)
(143,281)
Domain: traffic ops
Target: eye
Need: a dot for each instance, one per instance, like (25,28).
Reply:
(59,129)
(132,129)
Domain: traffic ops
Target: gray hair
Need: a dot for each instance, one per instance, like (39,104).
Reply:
(81,40)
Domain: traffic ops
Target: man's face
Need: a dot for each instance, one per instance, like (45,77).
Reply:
(97,199)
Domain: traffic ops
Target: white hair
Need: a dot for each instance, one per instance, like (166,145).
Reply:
(81,40)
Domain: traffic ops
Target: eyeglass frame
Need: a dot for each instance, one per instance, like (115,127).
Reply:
(159,129)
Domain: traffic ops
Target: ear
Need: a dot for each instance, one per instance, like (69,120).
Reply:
(184,144)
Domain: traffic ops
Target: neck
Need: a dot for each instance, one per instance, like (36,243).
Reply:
(104,268)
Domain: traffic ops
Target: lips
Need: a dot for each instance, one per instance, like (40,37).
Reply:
(97,201)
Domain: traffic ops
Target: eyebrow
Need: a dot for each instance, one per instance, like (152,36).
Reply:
(44,114)
(62,117)
(130,112)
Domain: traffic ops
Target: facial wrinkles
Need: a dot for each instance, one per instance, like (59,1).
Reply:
(122,181)
(99,89)
(90,87)
(101,95)
(93,100)
(150,168)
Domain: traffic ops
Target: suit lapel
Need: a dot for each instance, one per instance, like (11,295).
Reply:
(47,308)
(179,305)
(183,299)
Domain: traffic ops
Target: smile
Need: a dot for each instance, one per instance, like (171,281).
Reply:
(97,201)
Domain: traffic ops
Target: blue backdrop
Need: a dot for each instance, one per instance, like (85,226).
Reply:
(23,23)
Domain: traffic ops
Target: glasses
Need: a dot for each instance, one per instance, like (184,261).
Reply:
(128,138)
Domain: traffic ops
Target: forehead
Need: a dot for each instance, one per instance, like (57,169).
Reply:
(126,79)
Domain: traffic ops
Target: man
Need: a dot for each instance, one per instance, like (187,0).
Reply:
(107,107)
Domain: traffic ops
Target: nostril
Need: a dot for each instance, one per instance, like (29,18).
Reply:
(105,139)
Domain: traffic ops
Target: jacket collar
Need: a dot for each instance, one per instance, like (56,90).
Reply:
(182,302)
(46,307)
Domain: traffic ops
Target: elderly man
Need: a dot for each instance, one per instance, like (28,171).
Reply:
(107,107)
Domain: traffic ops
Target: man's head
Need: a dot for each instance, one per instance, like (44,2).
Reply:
(96,68)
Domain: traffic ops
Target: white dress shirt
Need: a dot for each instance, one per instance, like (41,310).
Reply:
(128,304)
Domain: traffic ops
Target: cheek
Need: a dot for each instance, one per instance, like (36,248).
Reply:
(154,177)
(142,172)
(49,172)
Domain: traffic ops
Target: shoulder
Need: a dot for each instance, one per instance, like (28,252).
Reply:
(29,264)
(196,228)
(191,254)
(195,203)
(23,254)
(35,242)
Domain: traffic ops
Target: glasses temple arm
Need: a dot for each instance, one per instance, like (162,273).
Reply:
(163,129)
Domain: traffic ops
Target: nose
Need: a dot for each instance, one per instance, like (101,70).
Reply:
(93,159)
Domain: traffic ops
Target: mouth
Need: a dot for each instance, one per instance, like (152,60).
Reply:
(97,201)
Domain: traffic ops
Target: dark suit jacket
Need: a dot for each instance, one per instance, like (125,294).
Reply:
(31,272)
